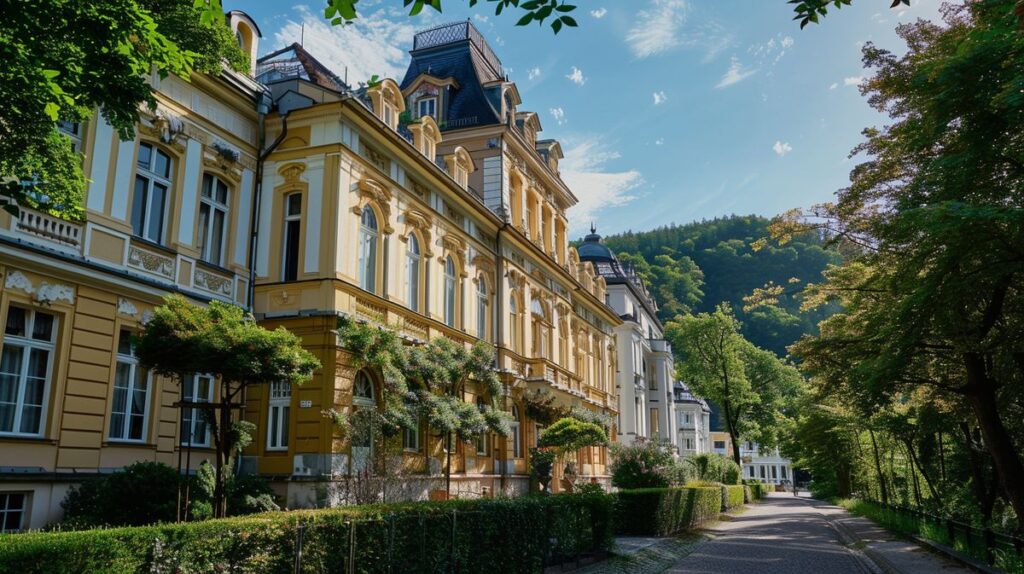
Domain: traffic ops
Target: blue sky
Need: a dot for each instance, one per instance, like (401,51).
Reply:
(669,110)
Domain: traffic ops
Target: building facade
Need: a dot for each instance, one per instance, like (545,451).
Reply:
(647,408)
(428,206)
(766,465)
(166,212)
(693,421)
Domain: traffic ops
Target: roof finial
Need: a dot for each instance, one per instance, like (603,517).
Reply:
(593,229)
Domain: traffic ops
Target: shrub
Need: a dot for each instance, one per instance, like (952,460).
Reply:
(569,434)
(758,490)
(713,468)
(643,464)
(665,511)
(493,536)
(732,496)
(141,493)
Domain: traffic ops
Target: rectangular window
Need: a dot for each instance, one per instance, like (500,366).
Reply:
(751,469)
(25,364)
(73,130)
(277,419)
(481,444)
(775,472)
(762,472)
(655,426)
(292,226)
(213,219)
(411,439)
(130,407)
(517,440)
(720,444)
(195,430)
(427,107)
(783,472)
(12,511)
(152,188)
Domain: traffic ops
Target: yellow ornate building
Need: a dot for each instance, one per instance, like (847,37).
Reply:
(429,206)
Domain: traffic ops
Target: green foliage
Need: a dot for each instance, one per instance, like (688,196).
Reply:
(542,463)
(210,40)
(674,509)
(540,407)
(692,268)
(643,464)
(732,496)
(490,535)
(570,434)
(758,490)
(808,11)
(61,185)
(141,493)
(711,467)
(344,11)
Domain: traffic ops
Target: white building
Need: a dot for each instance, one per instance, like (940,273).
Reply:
(766,465)
(646,367)
(693,422)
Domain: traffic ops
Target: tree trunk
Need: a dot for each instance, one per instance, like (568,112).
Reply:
(942,459)
(733,437)
(917,462)
(981,393)
(878,469)
(448,466)
(981,483)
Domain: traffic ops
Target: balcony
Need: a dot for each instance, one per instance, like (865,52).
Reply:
(49,230)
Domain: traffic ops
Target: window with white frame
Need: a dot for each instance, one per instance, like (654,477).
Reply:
(213,219)
(412,271)
(449,291)
(26,361)
(129,410)
(751,469)
(13,509)
(73,131)
(368,249)
(426,107)
(362,438)
(513,323)
(517,439)
(292,237)
(482,310)
(277,419)
(152,193)
(195,428)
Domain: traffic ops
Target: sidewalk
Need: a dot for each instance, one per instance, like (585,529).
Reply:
(892,554)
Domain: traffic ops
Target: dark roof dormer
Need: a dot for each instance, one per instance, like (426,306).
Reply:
(294,62)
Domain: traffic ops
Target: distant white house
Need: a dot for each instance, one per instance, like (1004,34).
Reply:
(766,465)
(693,421)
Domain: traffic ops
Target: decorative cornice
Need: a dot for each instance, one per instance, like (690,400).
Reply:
(423,223)
(291,172)
(126,307)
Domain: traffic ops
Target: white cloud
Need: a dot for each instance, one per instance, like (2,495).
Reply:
(479,17)
(659,97)
(559,114)
(834,85)
(533,73)
(781,148)
(853,80)
(373,44)
(656,28)
(787,42)
(735,74)
(576,76)
(599,13)
(585,170)
(659,141)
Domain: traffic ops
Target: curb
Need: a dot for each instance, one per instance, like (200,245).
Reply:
(952,554)
(869,560)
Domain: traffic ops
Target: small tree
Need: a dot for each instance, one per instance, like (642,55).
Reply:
(568,435)
(223,341)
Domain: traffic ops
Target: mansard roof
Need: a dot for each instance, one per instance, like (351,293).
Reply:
(293,62)
(459,51)
(683,394)
(614,272)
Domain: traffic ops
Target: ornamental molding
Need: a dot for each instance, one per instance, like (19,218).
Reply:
(291,172)
(212,282)
(18,280)
(151,262)
(423,223)
(483,263)
(126,307)
(50,293)
(456,246)
(372,191)
(516,279)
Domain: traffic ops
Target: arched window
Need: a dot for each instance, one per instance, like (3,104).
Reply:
(363,429)
(362,390)
(483,310)
(541,329)
(368,250)
(450,289)
(214,203)
(412,272)
(517,428)
(513,324)
(563,343)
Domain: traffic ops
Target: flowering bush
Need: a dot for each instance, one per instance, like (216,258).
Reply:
(643,464)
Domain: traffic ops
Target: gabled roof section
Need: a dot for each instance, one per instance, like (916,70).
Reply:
(295,62)
(459,51)
(529,118)
(550,148)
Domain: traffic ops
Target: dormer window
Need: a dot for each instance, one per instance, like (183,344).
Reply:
(389,116)
(459,165)
(387,102)
(426,107)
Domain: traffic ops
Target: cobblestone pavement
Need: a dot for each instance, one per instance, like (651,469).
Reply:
(783,534)
(645,555)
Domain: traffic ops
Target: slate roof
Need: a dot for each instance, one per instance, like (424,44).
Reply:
(295,62)
(683,394)
(459,51)
(614,272)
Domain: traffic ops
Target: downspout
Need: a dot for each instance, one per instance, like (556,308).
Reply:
(499,307)
(262,109)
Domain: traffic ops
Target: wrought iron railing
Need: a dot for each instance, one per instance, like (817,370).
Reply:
(458,32)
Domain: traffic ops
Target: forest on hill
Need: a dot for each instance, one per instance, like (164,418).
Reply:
(691,268)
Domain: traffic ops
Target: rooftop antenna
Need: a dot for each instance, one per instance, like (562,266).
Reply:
(593,229)
(302,35)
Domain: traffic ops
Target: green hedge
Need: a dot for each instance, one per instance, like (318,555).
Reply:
(664,511)
(758,490)
(732,496)
(487,536)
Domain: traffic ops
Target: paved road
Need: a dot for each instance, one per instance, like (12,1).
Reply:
(784,535)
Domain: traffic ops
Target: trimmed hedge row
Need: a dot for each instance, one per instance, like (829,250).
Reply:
(492,536)
(732,496)
(665,511)
(758,490)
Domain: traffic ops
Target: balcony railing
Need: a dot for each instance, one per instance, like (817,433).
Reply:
(49,227)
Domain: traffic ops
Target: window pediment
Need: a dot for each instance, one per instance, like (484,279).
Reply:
(421,222)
